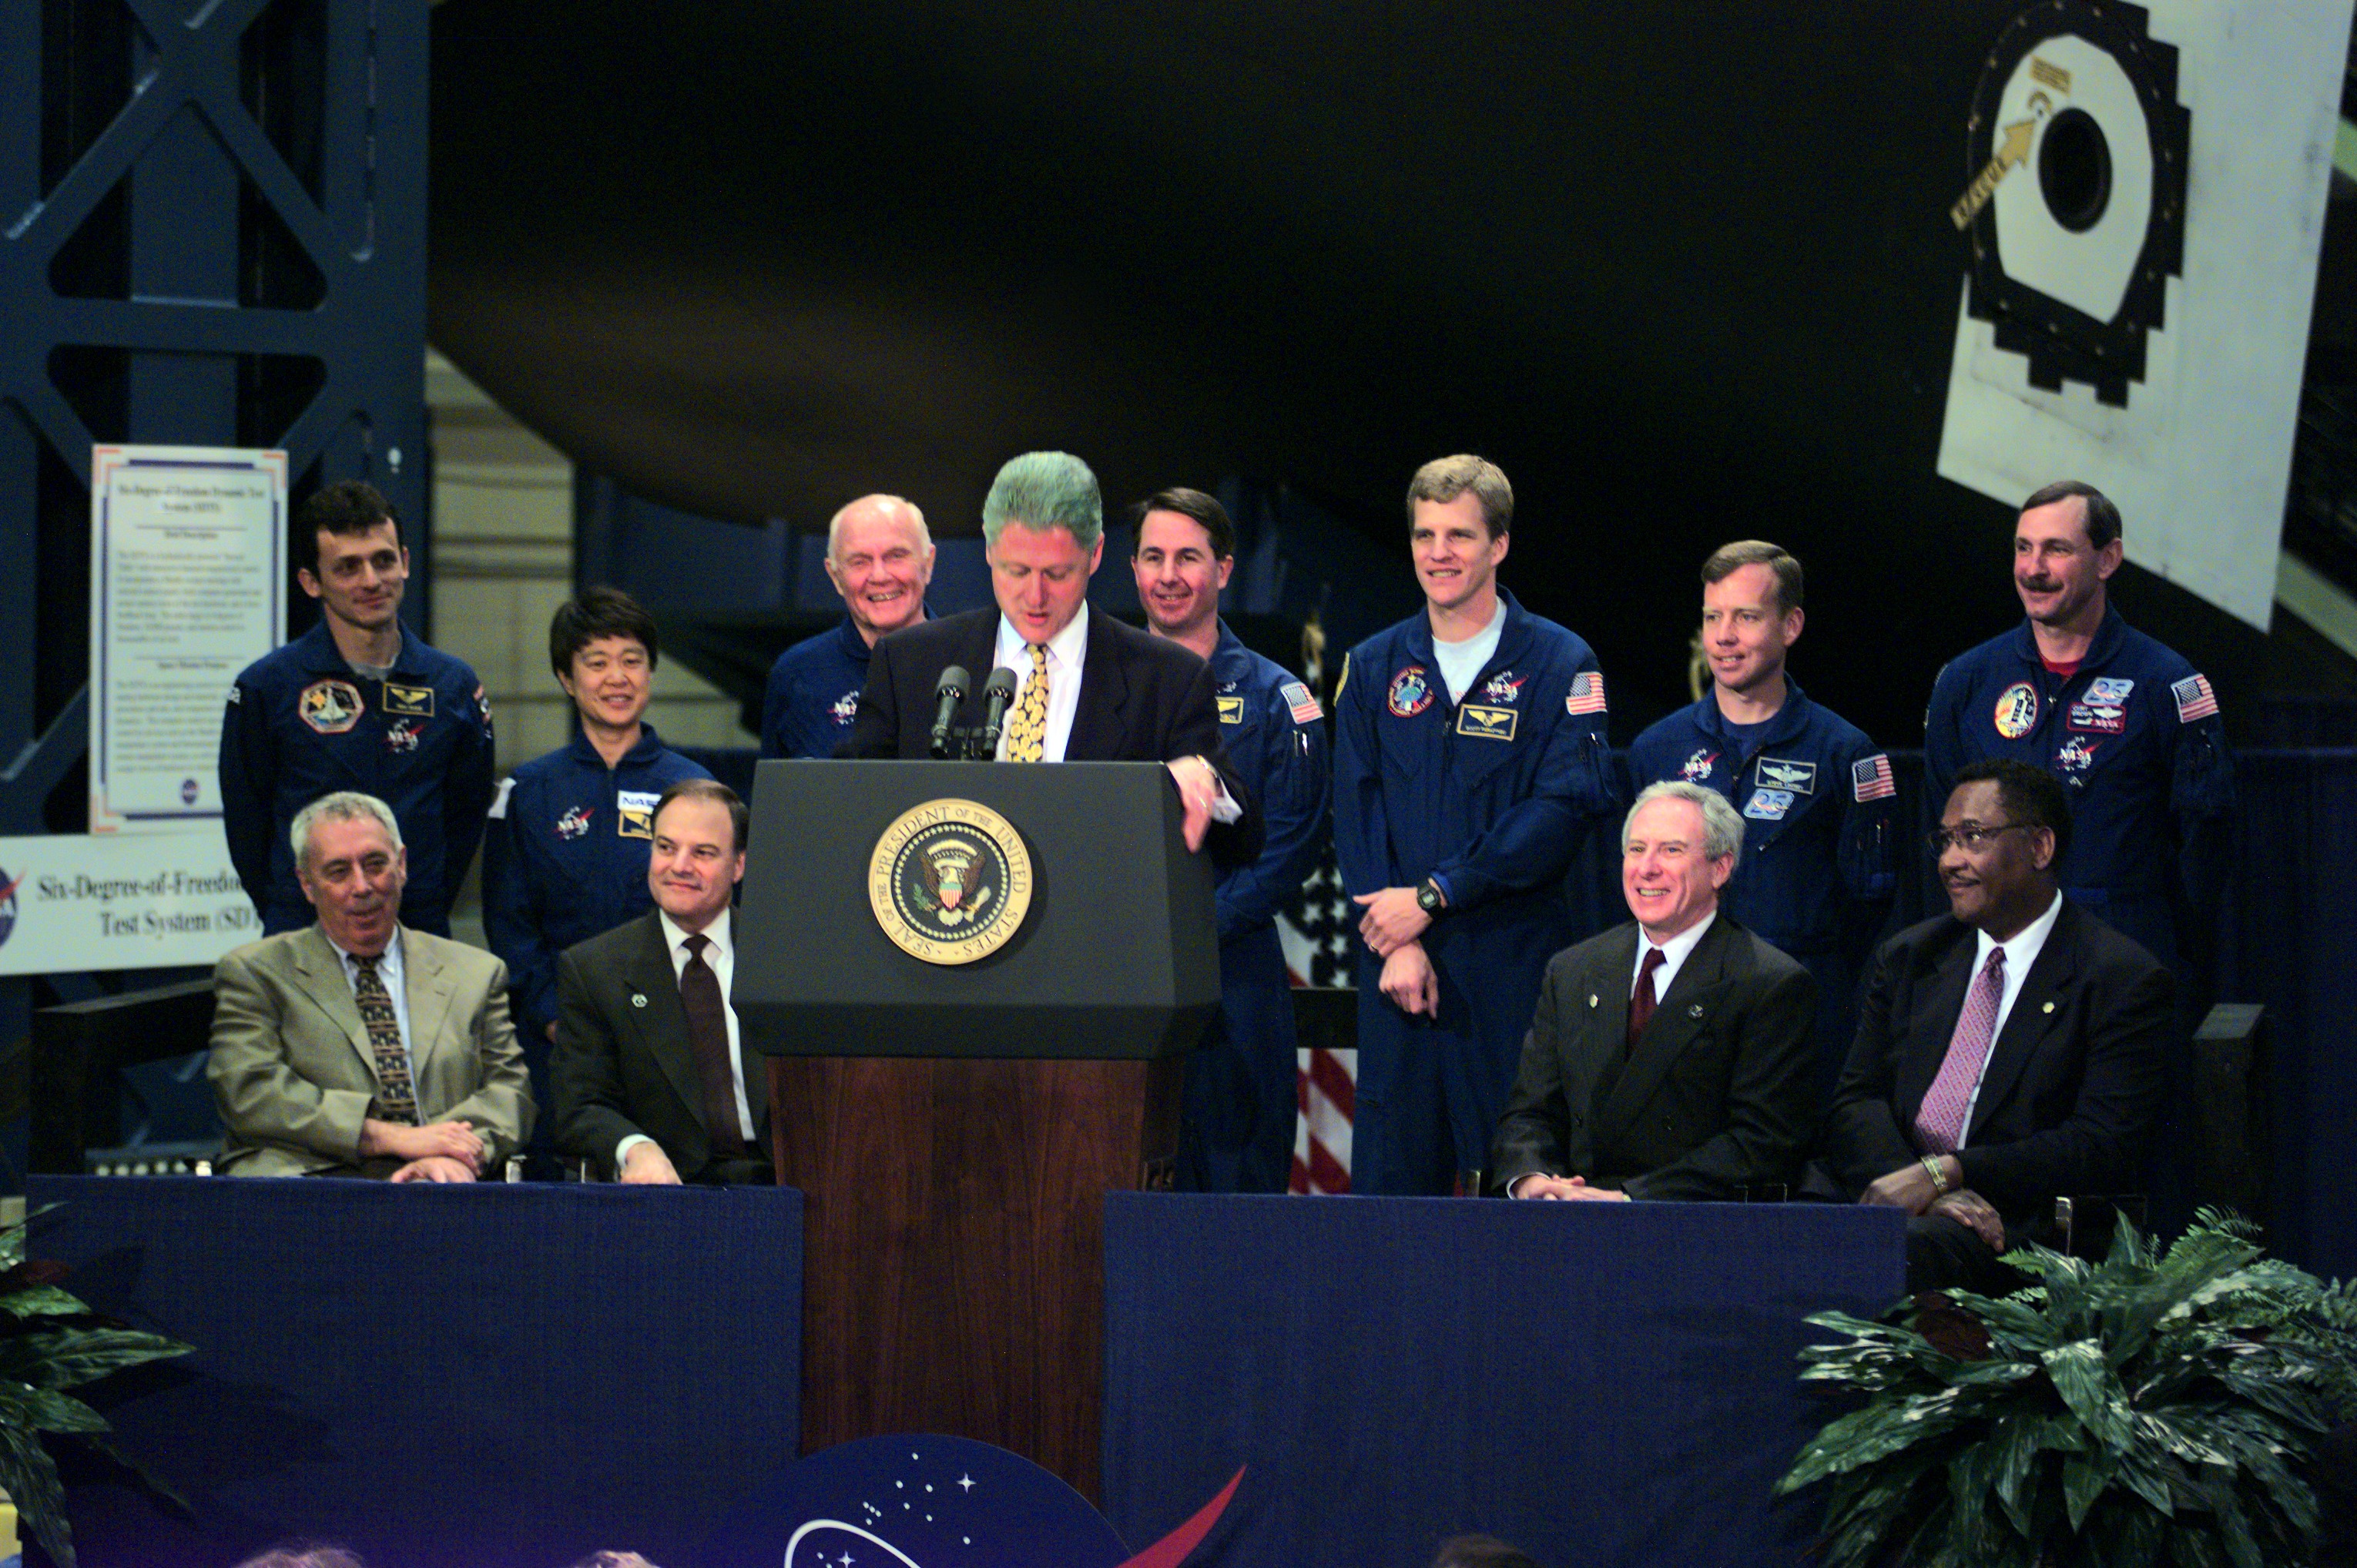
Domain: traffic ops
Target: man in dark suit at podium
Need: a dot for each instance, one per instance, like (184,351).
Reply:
(650,1071)
(2007,1052)
(1670,1057)
(1089,688)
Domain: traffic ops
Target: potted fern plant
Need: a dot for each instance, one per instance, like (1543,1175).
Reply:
(2153,1408)
(49,1342)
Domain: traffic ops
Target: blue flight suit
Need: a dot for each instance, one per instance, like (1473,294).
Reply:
(301,723)
(813,694)
(2135,734)
(1821,836)
(1236,1132)
(1489,795)
(565,860)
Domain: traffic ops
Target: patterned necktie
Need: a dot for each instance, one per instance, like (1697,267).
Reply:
(395,1096)
(1641,1001)
(1027,732)
(708,1032)
(1940,1120)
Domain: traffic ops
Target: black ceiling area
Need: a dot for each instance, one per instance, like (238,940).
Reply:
(1688,276)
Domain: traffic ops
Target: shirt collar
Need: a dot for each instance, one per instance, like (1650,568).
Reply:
(1066,649)
(388,963)
(716,933)
(1678,948)
(2022,948)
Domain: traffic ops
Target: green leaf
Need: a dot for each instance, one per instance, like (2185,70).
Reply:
(47,1410)
(66,1358)
(146,1478)
(31,1477)
(43,1301)
(2084,1477)
(2080,1376)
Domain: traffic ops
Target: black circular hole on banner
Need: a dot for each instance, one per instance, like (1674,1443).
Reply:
(2074,170)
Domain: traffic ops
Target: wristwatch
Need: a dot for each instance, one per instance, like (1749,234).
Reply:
(1428,897)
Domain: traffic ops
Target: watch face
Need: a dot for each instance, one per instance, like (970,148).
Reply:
(1427,898)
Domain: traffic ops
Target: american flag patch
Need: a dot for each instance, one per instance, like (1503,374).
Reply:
(1869,779)
(2195,700)
(1305,707)
(1586,694)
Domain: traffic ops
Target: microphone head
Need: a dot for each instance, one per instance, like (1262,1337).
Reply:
(953,683)
(1000,684)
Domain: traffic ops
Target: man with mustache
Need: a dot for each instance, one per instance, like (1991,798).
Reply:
(2009,1052)
(2130,728)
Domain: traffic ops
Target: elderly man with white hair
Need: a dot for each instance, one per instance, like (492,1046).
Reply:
(1670,1056)
(355,1045)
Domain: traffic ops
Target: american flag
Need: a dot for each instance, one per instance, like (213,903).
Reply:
(1317,933)
(1587,695)
(1869,779)
(1321,1139)
(1305,707)
(2195,700)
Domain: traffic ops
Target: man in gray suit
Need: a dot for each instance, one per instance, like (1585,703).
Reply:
(357,1047)
(1669,1057)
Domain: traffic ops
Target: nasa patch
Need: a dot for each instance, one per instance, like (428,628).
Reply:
(2096,718)
(846,709)
(634,812)
(2076,755)
(574,823)
(403,737)
(1505,686)
(1769,805)
(2109,689)
(2017,711)
(1698,765)
(1411,692)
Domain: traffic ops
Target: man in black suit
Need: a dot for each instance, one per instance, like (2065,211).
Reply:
(2007,1052)
(1090,689)
(1669,1057)
(652,1079)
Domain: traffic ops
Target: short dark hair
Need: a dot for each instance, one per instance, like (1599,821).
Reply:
(740,821)
(2030,795)
(304,1557)
(1481,1552)
(599,611)
(347,510)
(2102,518)
(1728,559)
(1203,508)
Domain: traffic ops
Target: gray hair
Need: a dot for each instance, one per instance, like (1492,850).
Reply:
(1722,830)
(882,503)
(1443,480)
(1044,490)
(343,806)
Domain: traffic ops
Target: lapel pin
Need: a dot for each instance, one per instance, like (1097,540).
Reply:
(1591,999)
(1694,1010)
(2048,1008)
(638,999)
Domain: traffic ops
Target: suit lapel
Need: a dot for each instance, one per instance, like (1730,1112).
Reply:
(977,649)
(651,990)
(1928,1047)
(319,975)
(1599,1042)
(1682,1011)
(428,986)
(1104,691)
(2052,974)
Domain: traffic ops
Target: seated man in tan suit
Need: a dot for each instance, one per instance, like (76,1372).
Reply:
(357,1047)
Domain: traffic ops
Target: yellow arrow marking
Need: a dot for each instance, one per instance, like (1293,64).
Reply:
(2010,155)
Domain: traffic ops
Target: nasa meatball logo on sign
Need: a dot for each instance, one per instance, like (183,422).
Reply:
(7,904)
(949,881)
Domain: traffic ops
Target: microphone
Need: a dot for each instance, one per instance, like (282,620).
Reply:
(948,693)
(996,693)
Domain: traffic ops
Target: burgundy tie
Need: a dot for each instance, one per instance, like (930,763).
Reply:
(1642,1000)
(1940,1120)
(707,1031)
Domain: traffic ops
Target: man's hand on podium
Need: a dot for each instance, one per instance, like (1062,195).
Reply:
(1567,1189)
(1198,792)
(647,1164)
(436,1167)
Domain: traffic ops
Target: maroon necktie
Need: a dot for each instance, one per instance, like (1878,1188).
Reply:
(1940,1120)
(1642,1000)
(707,1031)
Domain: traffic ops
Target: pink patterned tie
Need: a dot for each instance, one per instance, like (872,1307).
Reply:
(1939,1120)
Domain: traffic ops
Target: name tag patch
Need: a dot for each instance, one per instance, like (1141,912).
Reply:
(1231,710)
(409,701)
(1769,805)
(2096,718)
(634,812)
(1776,773)
(1487,723)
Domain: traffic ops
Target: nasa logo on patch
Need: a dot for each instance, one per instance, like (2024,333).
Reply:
(2017,711)
(1231,710)
(1779,773)
(1411,692)
(1486,724)
(1505,686)
(846,709)
(188,791)
(330,707)
(403,737)
(1769,805)
(1698,765)
(574,823)
(634,813)
(2109,689)
(2077,754)
(2096,718)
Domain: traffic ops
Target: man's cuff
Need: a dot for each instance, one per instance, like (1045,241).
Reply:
(622,1150)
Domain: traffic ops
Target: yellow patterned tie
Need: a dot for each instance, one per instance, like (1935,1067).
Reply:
(1027,732)
(395,1096)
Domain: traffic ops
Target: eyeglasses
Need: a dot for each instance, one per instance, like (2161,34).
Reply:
(1971,837)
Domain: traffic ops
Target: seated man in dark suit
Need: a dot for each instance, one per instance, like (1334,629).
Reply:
(1089,688)
(355,1045)
(653,1081)
(1669,1057)
(2009,1052)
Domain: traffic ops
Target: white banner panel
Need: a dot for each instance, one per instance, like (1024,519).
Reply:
(145,900)
(188,586)
(2144,229)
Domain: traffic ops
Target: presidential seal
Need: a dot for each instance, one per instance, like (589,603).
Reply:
(949,881)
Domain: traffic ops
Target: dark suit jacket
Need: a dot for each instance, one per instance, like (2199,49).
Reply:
(622,1063)
(1143,699)
(2072,1082)
(1715,1097)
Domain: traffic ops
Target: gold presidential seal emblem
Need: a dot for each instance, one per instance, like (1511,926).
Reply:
(949,881)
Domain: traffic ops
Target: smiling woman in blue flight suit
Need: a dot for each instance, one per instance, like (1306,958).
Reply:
(567,856)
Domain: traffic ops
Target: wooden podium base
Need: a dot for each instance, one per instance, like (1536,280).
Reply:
(953,1225)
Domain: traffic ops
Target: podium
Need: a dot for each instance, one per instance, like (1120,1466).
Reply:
(976,984)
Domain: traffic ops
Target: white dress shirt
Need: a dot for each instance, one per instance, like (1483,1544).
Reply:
(1067,651)
(1674,953)
(2021,950)
(389,970)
